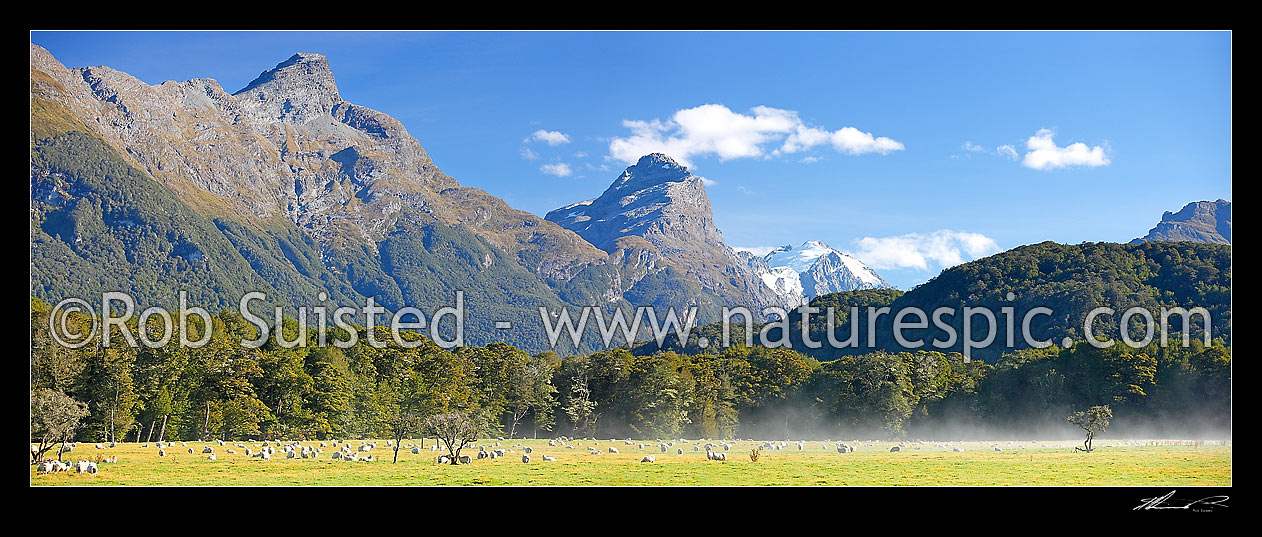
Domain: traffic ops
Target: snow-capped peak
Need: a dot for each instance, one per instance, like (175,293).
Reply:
(819,269)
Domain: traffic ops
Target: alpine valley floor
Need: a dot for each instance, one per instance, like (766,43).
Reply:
(1017,462)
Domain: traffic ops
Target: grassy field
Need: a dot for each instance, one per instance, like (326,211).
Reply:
(1021,463)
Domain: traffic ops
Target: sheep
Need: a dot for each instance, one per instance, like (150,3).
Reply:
(546,458)
(190,451)
(895,449)
(613,450)
(443,459)
(231,451)
(162,452)
(416,451)
(46,467)
(529,449)
(110,460)
(208,450)
(525,458)
(211,457)
(465,459)
(86,467)
(337,455)
(368,458)
(649,458)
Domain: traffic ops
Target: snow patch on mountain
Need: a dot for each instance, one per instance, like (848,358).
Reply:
(814,269)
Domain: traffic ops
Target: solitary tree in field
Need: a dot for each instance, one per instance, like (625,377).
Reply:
(1094,421)
(455,429)
(54,418)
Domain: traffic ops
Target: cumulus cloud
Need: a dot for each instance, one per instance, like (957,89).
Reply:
(1044,154)
(527,154)
(559,169)
(940,249)
(970,146)
(1007,151)
(714,129)
(548,137)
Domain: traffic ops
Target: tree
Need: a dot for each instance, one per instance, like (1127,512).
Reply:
(1094,421)
(581,410)
(54,418)
(455,429)
(531,392)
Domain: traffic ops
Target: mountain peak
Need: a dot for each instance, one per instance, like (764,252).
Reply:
(1199,221)
(658,159)
(296,90)
(302,71)
(814,268)
(651,170)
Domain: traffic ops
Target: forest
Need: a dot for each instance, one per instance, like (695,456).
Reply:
(225,390)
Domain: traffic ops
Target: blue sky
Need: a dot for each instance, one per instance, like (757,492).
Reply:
(913,150)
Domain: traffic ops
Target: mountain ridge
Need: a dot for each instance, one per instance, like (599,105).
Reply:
(1198,221)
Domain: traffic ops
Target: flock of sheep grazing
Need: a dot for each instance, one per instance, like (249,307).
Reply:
(362,450)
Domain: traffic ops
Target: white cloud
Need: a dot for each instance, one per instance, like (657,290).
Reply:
(707,182)
(941,249)
(1044,154)
(759,251)
(744,190)
(714,129)
(548,137)
(527,154)
(970,146)
(559,169)
(1007,151)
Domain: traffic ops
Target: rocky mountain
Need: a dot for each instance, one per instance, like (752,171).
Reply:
(1199,221)
(282,187)
(814,269)
(657,212)
(287,188)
